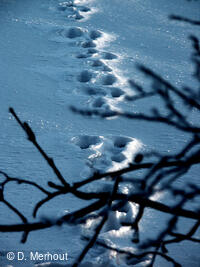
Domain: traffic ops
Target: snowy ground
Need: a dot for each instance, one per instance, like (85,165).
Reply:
(54,55)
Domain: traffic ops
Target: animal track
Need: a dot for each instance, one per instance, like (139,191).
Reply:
(86,141)
(107,153)
(74,10)
(108,79)
(121,142)
(71,33)
(118,158)
(84,9)
(108,56)
(84,76)
(95,34)
(101,80)
(83,55)
(106,68)
(116,92)
(97,63)
(99,102)
(77,16)
(92,51)
(95,90)
(66,6)
(88,44)
(74,32)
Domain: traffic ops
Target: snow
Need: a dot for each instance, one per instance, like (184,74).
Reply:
(60,53)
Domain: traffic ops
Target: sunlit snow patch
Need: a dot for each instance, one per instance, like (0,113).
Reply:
(107,153)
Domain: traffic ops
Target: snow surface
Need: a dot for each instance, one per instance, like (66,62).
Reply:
(55,54)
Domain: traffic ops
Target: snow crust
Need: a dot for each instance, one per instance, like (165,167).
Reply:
(59,53)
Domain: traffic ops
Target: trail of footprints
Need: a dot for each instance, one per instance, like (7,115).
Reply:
(72,10)
(98,80)
(106,153)
(109,153)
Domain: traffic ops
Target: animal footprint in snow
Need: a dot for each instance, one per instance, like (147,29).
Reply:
(108,56)
(92,90)
(74,32)
(81,56)
(121,141)
(108,79)
(95,91)
(76,16)
(108,153)
(85,76)
(92,51)
(71,33)
(88,44)
(84,9)
(85,141)
(116,92)
(63,6)
(99,102)
(95,34)
(119,157)
(74,9)
(97,63)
